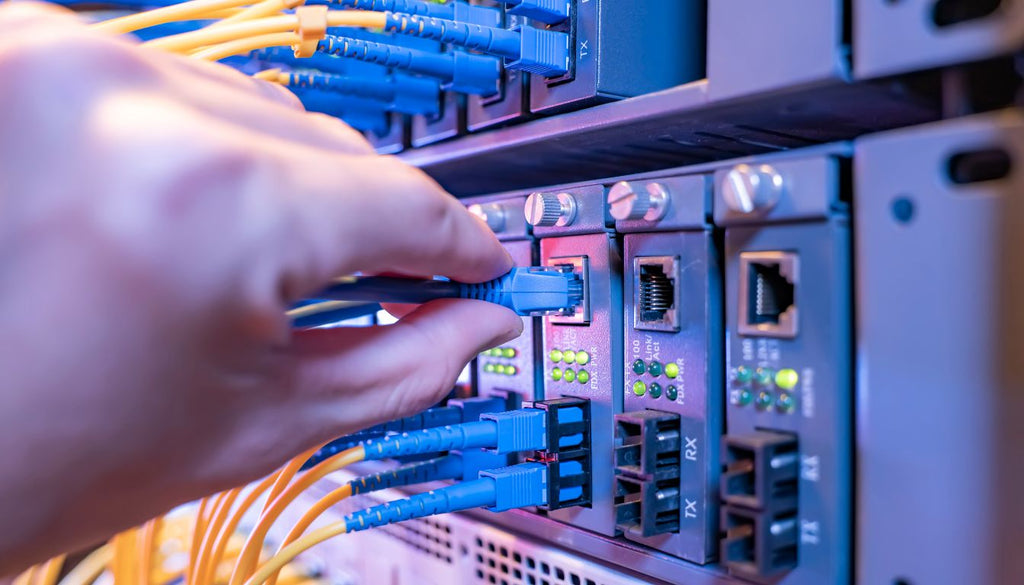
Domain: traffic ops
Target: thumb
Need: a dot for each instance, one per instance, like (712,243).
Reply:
(353,378)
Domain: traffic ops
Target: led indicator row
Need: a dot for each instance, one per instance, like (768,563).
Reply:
(786,378)
(501,352)
(654,390)
(764,400)
(503,369)
(570,375)
(655,369)
(569,356)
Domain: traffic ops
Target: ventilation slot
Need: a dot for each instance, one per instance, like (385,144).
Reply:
(950,12)
(978,166)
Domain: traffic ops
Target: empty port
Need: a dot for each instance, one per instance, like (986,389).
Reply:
(647,472)
(655,296)
(580,266)
(646,507)
(758,545)
(649,444)
(761,470)
(767,290)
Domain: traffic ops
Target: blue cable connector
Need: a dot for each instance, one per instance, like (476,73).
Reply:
(529,291)
(400,93)
(540,51)
(418,7)
(546,11)
(459,72)
(498,490)
(512,432)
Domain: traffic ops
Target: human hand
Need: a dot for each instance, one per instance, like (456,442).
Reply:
(158,217)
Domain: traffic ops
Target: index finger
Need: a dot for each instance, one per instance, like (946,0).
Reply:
(378,214)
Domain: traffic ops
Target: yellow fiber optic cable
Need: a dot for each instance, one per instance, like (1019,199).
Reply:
(249,558)
(178,12)
(213,35)
(198,528)
(27,577)
(50,571)
(243,46)
(271,75)
(288,553)
(260,10)
(221,544)
(147,548)
(287,474)
(220,514)
(125,566)
(200,534)
(89,568)
(314,512)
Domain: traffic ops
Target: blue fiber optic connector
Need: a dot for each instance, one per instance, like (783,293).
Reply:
(400,93)
(529,291)
(535,50)
(517,486)
(419,7)
(459,72)
(546,11)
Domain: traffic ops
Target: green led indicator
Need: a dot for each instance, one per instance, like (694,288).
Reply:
(582,376)
(785,402)
(639,388)
(741,397)
(787,378)
(582,358)
(508,352)
(556,374)
(671,393)
(639,367)
(654,368)
(555,355)
(655,390)
(569,376)
(569,356)
(489,368)
(764,399)
(511,370)
(671,369)
(764,376)
(742,375)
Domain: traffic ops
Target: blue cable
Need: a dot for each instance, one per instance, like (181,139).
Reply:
(319,313)
(535,50)
(527,291)
(460,72)
(498,490)
(441,468)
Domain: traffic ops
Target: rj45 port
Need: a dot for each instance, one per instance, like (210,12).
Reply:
(655,295)
(767,294)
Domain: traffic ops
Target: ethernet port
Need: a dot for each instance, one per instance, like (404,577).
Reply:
(758,546)
(655,295)
(767,293)
(761,470)
(580,266)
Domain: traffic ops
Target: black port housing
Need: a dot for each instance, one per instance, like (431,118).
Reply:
(567,457)
(646,507)
(647,469)
(569,470)
(567,424)
(650,444)
(757,545)
(761,470)
(768,294)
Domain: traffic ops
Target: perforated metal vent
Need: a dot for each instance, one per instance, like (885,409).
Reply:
(504,561)
(430,536)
